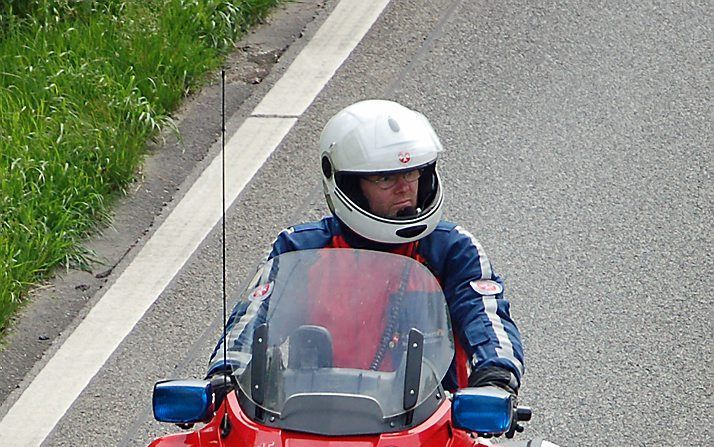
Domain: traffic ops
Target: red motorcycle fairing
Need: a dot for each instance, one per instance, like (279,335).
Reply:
(434,432)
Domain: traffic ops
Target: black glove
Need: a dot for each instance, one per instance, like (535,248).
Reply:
(502,378)
(222,384)
(494,376)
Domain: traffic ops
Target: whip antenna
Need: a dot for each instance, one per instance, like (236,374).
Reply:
(225,424)
(223,208)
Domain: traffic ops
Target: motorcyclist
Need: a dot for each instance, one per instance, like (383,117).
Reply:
(378,162)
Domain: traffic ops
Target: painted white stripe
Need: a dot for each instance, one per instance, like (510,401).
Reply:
(505,348)
(312,69)
(486,272)
(124,303)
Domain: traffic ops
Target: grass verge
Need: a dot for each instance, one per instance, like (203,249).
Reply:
(83,85)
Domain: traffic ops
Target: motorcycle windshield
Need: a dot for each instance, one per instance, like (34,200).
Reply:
(332,327)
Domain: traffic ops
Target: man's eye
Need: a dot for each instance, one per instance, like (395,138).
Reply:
(384,178)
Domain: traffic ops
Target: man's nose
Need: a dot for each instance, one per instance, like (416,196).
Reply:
(402,184)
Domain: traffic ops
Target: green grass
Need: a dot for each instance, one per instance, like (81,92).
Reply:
(83,85)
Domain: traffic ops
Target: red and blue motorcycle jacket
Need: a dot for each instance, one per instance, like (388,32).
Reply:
(485,335)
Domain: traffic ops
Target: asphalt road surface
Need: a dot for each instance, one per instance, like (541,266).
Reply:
(578,140)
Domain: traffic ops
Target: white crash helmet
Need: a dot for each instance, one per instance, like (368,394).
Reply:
(378,137)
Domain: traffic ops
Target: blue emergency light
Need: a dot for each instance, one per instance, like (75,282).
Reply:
(484,410)
(183,401)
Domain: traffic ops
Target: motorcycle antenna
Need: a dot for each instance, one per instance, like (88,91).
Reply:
(225,423)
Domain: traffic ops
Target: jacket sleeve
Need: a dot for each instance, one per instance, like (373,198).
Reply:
(245,317)
(479,312)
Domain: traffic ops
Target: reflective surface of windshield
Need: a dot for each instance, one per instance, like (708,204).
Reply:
(337,323)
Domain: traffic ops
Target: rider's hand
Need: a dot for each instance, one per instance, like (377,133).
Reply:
(494,376)
(502,378)
(222,384)
(515,427)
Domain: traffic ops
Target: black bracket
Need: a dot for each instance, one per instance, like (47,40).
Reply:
(412,373)
(259,363)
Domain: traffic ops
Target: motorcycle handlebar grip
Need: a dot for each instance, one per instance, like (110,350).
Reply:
(524,414)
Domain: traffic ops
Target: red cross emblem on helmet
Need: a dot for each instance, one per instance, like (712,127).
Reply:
(404,157)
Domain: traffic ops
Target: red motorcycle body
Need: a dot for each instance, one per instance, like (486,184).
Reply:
(340,348)
(436,431)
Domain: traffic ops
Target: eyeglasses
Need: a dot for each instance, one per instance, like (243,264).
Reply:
(388,181)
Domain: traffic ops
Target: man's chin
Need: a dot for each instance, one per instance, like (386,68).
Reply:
(407,211)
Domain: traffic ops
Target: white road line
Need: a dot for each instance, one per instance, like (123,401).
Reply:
(67,373)
(314,66)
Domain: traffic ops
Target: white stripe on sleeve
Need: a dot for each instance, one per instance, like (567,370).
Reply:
(504,349)
(486,272)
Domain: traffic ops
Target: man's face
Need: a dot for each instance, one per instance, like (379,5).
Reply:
(389,194)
